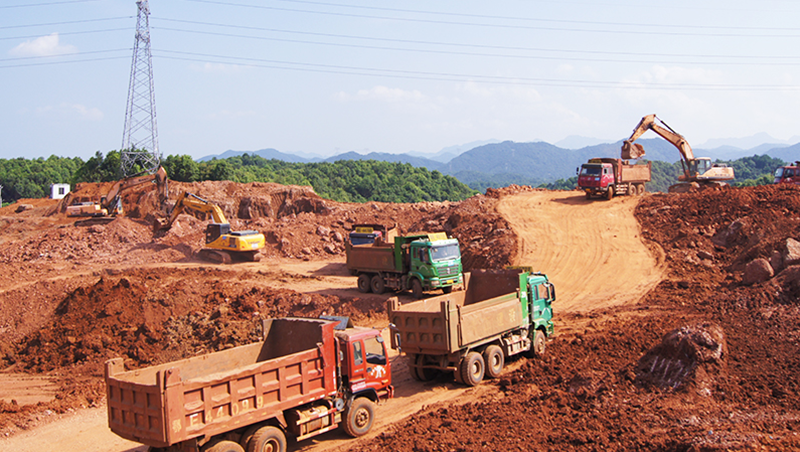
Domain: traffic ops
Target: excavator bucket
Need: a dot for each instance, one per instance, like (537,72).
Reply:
(631,150)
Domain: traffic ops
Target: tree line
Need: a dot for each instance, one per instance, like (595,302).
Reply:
(344,181)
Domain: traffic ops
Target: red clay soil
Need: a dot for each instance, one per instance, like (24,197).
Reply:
(703,362)
(74,296)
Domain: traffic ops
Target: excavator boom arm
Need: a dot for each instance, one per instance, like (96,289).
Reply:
(665,132)
(159,178)
(191,201)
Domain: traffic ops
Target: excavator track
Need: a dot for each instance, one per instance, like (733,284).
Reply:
(217,256)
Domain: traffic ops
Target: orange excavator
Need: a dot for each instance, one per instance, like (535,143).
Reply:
(222,245)
(697,171)
(110,204)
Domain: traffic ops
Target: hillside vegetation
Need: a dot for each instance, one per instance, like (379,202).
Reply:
(359,180)
(344,181)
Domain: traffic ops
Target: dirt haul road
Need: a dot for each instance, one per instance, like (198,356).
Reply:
(592,250)
(582,246)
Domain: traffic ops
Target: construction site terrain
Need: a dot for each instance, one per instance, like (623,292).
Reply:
(677,315)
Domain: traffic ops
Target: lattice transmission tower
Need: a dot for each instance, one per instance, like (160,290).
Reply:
(140,136)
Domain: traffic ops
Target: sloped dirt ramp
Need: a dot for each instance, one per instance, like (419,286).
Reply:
(591,249)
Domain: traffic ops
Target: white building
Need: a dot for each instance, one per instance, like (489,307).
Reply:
(59,191)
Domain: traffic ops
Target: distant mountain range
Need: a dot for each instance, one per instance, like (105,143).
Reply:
(493,163)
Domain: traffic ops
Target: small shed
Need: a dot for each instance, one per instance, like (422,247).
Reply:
(59,191)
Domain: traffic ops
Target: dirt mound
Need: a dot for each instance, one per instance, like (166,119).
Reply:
(687,356)
(150,318)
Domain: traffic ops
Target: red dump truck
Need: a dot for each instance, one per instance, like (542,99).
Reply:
(608,177)
(471,332)
(305,377)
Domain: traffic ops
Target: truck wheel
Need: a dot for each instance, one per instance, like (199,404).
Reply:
(610,192)
(377,284)
(416,288)
(446,290)
(472,368)
(363,283)
(632,191)
(223,446)
(421,373)
(538,345)
(358,416)
(494,360)
(267,439)
(588,195)
(640,190)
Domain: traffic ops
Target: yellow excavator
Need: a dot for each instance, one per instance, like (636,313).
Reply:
(110,204)
(222,245)
(697,171)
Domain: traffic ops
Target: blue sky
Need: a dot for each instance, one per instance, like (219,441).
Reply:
(325,77)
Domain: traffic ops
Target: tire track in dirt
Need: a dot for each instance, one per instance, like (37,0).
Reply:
(591,250)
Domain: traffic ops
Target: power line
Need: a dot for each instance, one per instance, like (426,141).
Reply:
(525,19)
(63,55)
(26,5)
(67,33)
(82,21)
(521,27)
(48,63)
(444,76)
(493,55)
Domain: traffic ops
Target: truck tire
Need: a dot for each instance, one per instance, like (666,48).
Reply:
(419,373)
(610,192)
(472,369)
(377,284)
(447,289)
(588,195)
(416,288)
(538,346)
(358,417)
(364,283)
(267,439)
(640,190)
(223,446)
(632,190)
(494,359)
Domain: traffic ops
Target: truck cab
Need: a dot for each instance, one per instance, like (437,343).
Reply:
(789,174)
(434,261)
(595,176)
(365,365)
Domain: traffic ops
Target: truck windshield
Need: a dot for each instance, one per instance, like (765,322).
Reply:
(778,173)
(590,171)
(360,238)
(444,253)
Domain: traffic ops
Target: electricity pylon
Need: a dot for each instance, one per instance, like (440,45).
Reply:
(140,136)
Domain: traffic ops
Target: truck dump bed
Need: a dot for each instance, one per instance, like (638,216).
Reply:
(635,173)
(370,258)
(490,305)
(221,391)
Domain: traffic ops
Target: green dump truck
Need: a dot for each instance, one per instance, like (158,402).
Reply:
(471,332)
(416,262)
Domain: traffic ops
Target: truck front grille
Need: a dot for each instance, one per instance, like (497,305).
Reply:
(452,270)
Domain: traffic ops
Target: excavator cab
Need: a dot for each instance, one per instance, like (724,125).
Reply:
(215,230)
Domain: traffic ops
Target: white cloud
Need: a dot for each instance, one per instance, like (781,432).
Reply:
(392,95)
(72,111)
(44,46)
(228,114)
(217,68)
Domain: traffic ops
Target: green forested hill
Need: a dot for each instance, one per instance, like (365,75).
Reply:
(346,180)
(343,180)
